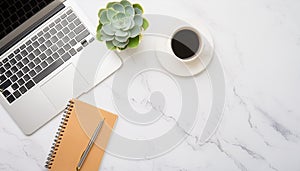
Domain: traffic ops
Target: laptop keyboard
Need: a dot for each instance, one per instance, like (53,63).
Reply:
(42,54)
(14,13)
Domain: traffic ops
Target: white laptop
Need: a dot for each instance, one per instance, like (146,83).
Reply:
(40,64)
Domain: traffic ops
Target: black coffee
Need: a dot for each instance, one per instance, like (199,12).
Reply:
(185,43)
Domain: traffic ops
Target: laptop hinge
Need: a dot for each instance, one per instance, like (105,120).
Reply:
(31,28)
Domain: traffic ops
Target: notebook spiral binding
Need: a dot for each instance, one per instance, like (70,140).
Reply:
(59,135)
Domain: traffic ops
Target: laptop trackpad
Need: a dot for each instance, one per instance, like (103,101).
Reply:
(65,85)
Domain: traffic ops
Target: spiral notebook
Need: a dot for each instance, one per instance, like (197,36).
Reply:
(78,124)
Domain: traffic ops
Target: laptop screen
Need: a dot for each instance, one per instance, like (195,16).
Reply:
(13,13)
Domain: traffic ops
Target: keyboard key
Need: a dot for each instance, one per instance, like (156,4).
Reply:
(14,69)
(49,60)
(54,48)
(11,99)
(57,20)
(61,51)
(60,34)
(22,47)
(17,94)
(79,48)
(24,53)
(2,70)
(17,51)
(20,81)
(29,48)
(5,84)
(18,57)
(48,43)
(36,52)
(47,71)
(51,25)
(40,33)
(78,29)
(71,17)
(46,29)
(73,42)
(32,73)
(35,44)
(19,65)
(2,78)
(71,34)
(34,38)
(31,65)
(41,40)
(36,61)
(15,86)
(29,84)
(66,39)
(42,56)
(30,56)
(28,42)
(66,30)
(71,26)
(26,77)
(69,11)
(10,56)
(58,27)
(7,66)
(20,74)
(84,43)
(47,36)
(12,61)
(67,47)
(60,43)
(4,60)
(44,64)
(13,78)
(23,90)
(82,35)
(55,56)
(64,22)
(77,22)
(54,39)
(8,74)
(42,48)
(53,31)
(63,16)
(25,69)
(25,61)
(6,93)
(66,56)
(48,52)
(37,69)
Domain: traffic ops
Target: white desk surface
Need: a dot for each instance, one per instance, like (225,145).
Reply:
(259,45)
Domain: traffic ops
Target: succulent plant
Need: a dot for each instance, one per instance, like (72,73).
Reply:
(121,24)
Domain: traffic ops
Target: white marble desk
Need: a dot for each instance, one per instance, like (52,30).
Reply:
(259,45)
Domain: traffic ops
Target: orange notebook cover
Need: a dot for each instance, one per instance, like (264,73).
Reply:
(77,127)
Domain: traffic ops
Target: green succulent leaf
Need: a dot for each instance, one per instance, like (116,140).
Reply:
(103,17)
(139,7)
(138,20)
(145,24)
(110,45)
(129,11)
(120,25)
(138,11)
(110,4)
(100,11)
(118,7)
(134,42)
(125,3)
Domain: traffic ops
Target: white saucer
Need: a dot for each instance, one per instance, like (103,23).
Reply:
(164,30)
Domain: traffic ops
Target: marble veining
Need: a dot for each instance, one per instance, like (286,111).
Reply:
(258,45)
